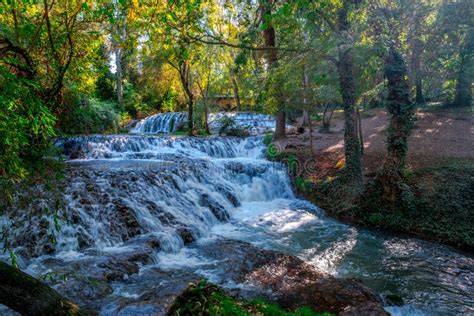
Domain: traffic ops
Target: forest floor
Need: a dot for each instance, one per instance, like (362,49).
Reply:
(440,171)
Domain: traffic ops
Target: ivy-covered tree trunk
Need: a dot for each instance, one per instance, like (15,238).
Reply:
(401,116)
(352,144)
(272,59)
(28,296)
(466,71)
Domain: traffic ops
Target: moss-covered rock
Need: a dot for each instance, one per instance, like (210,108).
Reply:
(203,298)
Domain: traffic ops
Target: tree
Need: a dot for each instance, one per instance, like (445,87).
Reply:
(39,43)
(269,37)
(466,71)
(352,143)
(184,69)
(28,296)
(401,112)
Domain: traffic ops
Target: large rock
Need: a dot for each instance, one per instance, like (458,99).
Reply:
(290,282)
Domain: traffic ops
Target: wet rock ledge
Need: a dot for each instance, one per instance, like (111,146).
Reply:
(274,277)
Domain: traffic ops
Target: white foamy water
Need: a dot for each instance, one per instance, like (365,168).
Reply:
(253,123)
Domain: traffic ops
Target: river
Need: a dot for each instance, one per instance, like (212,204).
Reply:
(178,196)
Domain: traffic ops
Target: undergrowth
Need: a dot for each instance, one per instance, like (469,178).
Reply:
(207,299)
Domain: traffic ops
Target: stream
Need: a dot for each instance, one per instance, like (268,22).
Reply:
(171,199)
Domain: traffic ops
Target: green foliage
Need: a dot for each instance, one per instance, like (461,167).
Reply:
(228,127)
(267,139)
(26,125)
(207,299)
(441,211)
(105,87)
(95,117)
(302,184)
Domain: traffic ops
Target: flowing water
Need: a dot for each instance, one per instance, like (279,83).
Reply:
(254,123)
(127,192)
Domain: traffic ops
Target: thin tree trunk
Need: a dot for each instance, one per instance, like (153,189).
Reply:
(359,129)
(185,76)
(310,135)
(204,94)
(28,296)
(306,120)
(190,115)
(352,143)
(416,70)
(206,113)
(464,84)
(118,74)
(401,111)
(272,59)
(121,33)
(235,87)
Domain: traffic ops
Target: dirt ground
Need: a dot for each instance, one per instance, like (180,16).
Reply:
(438,136)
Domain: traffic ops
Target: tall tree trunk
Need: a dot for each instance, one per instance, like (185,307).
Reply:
(185,76)
(119,74)
(401,111)
(206,114)
(416,70)
(272,59)
(121,34)
(464,85)
(352,144)
(204,95)
(235,88)
(305,122)
(359,131)
(190,115)
(28,296)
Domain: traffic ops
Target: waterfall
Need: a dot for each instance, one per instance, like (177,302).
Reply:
(134,205)
(161,123)
(254,123)
(174,189)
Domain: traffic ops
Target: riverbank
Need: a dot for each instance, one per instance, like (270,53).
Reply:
(440,174)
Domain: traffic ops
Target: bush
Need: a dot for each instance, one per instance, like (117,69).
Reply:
(267,139)
(207,299)
(26,126)
(96,117)
(228,127)
(104,87)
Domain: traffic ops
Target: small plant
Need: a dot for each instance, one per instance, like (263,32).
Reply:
(267,139)
(226,123)
(207,299)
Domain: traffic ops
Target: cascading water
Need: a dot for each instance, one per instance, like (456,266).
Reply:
(160,123)
(254,123)
(152,207)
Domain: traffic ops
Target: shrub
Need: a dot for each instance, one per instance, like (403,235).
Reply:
(97,117)
(26,125)
(207,299)
(228,127)
(267,139)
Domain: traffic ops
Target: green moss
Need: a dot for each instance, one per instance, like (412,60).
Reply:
(207,299)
